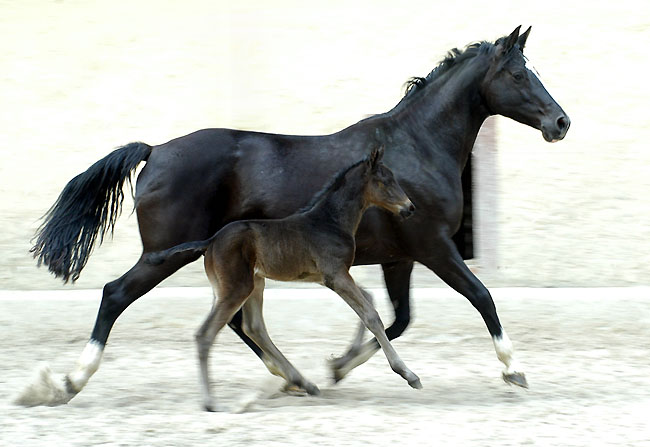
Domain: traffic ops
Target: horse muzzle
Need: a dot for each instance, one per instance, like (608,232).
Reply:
(556,130)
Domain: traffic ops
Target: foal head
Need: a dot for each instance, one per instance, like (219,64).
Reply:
(382,189)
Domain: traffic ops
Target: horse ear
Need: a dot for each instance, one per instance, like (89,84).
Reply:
(522,39)
(509,42)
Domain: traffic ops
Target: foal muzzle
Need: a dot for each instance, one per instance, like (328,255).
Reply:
(407,210)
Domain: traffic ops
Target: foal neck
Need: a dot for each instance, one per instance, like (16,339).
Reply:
(344,203)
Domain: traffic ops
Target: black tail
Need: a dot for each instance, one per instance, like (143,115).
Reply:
(88,206)
(196,247)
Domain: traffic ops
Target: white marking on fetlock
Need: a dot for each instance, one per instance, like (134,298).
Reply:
(366,352)
(87,365)
(506,354)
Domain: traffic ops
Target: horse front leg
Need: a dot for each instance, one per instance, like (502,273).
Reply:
(397,276)
(449,266)
(343,284)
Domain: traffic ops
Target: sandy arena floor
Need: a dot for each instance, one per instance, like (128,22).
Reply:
(585,352)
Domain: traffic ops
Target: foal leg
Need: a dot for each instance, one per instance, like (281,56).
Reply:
(229,297)
(449,266)
(343,284)
(357,353)
(254,327)
(397,277)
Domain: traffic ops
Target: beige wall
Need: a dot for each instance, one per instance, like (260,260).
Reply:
(80,78)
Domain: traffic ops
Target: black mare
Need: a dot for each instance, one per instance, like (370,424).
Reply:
(194,185)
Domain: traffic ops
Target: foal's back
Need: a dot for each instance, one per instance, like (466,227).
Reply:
(295,248)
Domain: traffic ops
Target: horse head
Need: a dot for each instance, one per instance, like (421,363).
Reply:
(513,89)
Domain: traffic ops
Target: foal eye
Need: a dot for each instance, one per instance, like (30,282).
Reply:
(518,76)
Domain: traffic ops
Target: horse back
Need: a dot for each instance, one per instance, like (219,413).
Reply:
(194,185)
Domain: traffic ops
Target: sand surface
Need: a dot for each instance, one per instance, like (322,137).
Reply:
(585,353)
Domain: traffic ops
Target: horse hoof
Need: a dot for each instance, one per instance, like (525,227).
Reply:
(516,378)
(46,389)
(416,384)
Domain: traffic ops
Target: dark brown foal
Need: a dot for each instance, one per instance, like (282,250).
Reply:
(313,245)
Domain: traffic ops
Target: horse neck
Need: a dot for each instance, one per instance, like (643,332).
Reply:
(344,206)
(448,113)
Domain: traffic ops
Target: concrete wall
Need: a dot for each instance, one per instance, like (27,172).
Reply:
(78,79)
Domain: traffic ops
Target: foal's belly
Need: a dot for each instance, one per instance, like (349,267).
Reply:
(289,274)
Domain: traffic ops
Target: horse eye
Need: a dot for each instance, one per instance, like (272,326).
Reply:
(518,76)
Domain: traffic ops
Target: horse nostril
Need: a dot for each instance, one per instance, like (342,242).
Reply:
(562,122)
(412,208)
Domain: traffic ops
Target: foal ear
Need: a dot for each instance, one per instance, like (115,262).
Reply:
(376,155)
(522,39)
(509,42)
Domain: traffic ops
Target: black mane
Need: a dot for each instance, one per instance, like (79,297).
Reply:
(335,183)
(454,58)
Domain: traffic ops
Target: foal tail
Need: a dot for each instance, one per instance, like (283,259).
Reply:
(88,207)
(195,247)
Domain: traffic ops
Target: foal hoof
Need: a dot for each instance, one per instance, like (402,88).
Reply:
(297,390)
(212,407)
(516,378)
(416,384)
(336,362)
(337,366)
(312,389)
(337,375)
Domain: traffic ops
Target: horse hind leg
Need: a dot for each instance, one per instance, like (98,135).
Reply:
(275,361)
(47,389)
